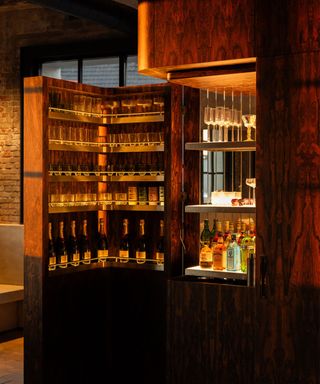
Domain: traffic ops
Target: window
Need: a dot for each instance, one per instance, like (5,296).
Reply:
(66,70)
(102,72)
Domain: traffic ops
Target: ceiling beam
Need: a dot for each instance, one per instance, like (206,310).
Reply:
(109,13)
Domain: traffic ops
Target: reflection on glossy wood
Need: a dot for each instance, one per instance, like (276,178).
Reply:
(181,33)
(288,219)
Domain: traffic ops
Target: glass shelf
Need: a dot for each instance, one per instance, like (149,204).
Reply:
(146,177)
(150,264)
(204,208)
(79,146)
(211,274)
(241,146)
(99,118)
(102,206)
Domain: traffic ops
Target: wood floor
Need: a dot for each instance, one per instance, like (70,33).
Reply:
(11,358)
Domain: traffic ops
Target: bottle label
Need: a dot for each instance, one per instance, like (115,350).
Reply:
(153,195)
(124,254)
(141,257)
(160,257)
(103,254)
(75,256)
(87,255)
(231,259)
(63,259)
(132,195)
(52,260)
(206,255)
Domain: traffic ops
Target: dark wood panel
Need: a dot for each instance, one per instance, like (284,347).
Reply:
(193,32)
(35,227)
(210,336)
(288,158)
(192,186)
(286,27)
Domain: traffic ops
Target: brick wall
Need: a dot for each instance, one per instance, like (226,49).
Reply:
(22,28)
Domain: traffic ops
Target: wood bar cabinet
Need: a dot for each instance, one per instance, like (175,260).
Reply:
(94,154)
(270,333)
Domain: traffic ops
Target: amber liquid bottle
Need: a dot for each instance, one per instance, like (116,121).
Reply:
(52,259)
(124,248)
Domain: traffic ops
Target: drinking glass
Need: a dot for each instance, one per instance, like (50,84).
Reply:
(144,103)
(237,122)
(111,104)
(227,123)
(207,121)
(251,182)
(128,105)
(219,120)
(249,122)
(159,102)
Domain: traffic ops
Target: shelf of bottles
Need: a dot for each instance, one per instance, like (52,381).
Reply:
(227,148)
(106,160)
(70,250)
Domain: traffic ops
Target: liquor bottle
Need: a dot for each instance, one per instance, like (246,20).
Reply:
(247,248)
(238,230)
(219,254)
(73,249)
(61,252)
(85,252)
(52,255)
(218,230)
(160,245)
(124,249)
(102,252)
(227,233)
(243,232)
(141,248)
(214,229)
(205,257)
(233,255)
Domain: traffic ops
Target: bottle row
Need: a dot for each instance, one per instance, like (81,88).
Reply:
(96,105)
(230,249)
(135,195)
(78,250)
(82,134)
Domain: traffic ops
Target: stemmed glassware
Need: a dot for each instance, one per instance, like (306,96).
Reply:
(129,104)
(249,122)
(111,104)
(251,182)
(144,103)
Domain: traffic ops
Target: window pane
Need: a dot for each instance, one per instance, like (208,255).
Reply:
(66,70)
(134,78)
(101,72)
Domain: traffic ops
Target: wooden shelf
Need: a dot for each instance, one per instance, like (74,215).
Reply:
(243,146)
(212,274)
(206,208)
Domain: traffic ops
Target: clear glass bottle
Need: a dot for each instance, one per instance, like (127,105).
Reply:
(247,248)
(233,255)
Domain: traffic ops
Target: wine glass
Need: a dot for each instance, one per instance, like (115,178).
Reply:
(251,182)
(128,104)
(237,122)
(207,121)
(144,103)
(219,120)
(159,101)
(249,122)
(111,104)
